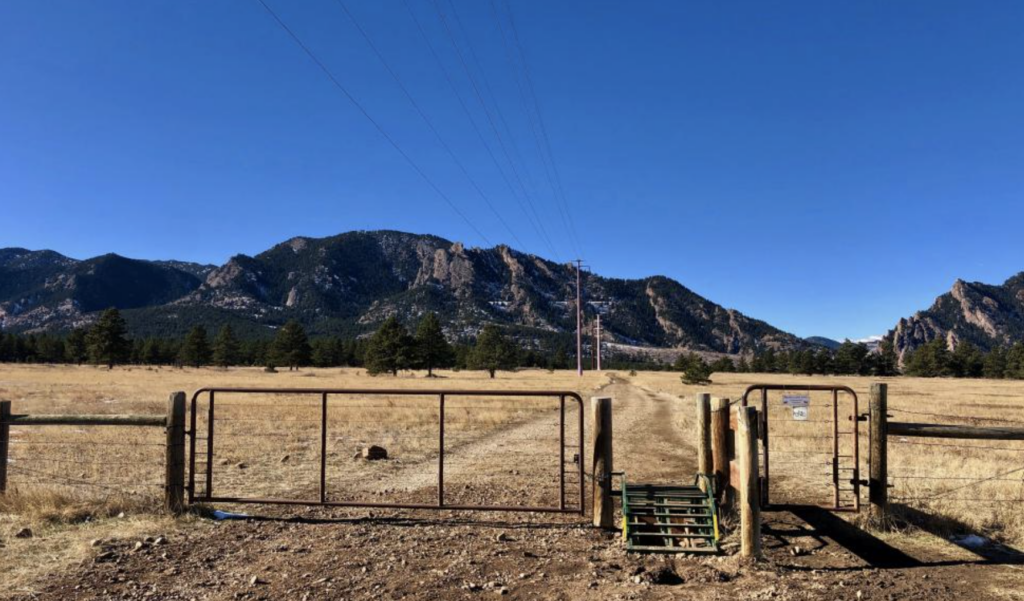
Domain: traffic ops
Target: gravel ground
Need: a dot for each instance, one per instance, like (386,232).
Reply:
(326,553)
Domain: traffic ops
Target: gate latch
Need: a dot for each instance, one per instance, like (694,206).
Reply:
(863,417)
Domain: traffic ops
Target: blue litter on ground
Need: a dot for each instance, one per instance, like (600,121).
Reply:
(227,515)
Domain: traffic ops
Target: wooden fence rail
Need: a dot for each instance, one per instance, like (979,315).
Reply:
(954,431)
(173,423)
(881,429)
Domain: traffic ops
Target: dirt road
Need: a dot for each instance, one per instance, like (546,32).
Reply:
(322,553)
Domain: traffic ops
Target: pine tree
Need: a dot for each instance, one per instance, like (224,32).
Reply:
(390,349)
(76,349)
(764,363)
(107,339)
(696,371)
(966,361)
(432,348)
(255,352)
(291,346)
(152,352)
(682,362)
(887,362)
(8,348)
(994,366)
(930,360)
(849,358)
(492,351)
(195,350)
(1015,361)
(743,367)
(328,352)
(226,349)
(136,354)
(560,360)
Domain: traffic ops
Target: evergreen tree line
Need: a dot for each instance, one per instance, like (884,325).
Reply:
(389,350)
(393,348)
(850,359)
(107,343)
(935,360)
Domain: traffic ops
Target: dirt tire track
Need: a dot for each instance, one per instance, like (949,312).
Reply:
(329,553)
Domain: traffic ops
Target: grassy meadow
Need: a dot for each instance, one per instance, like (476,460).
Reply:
(74,485)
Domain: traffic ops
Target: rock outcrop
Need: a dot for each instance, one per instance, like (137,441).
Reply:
(347,284)
(984,315)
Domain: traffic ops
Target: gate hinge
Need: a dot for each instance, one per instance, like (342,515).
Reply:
(863,417)
(861,482)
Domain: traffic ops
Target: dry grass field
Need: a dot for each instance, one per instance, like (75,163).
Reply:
(977,485)
(72,486)
(73,483)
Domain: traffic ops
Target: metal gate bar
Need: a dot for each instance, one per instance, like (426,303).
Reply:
(763,433)
(440,395)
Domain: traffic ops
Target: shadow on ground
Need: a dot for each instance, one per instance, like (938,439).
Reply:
(824,526)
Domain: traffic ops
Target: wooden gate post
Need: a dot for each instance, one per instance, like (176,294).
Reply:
(5,442)
(174,484)
(704,460)
(601,409)
(750,502)
(720,449)
(878,473)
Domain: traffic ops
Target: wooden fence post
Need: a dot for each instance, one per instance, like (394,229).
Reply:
(878,474)
(5,441)
(174,484)
(704,460)
(601,409)
(720,449)
(750,507)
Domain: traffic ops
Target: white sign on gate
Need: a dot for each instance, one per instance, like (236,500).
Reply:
(800,404)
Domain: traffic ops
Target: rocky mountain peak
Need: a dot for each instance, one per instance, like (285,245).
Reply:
(348,283)
(984,315)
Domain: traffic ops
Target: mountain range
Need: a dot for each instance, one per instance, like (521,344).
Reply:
(349,283)
(985,315)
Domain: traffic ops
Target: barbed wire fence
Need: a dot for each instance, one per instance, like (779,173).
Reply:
(108,460)
(963,467)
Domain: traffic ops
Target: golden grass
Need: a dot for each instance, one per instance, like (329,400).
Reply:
(959,484)
(69,484)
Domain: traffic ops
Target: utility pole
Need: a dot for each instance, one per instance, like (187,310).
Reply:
(597,342)
(579,320)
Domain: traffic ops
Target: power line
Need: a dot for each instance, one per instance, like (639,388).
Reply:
(370,118)
(540,120)
(466,111)
(426,120)
(536,122)
(538,225)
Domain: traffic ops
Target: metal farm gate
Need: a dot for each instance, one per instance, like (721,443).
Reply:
(810,445)
(504,450)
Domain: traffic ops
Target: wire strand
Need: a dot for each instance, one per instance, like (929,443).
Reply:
(380,129)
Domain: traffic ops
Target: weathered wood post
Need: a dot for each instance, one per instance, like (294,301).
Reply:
(601,409)
(720,449)
(750,502)
(878,472)
(704,459)
(174,484)
(5,442)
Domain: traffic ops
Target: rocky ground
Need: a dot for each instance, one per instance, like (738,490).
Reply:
(325,553)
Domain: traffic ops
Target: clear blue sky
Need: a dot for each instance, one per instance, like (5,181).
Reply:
(826,166)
